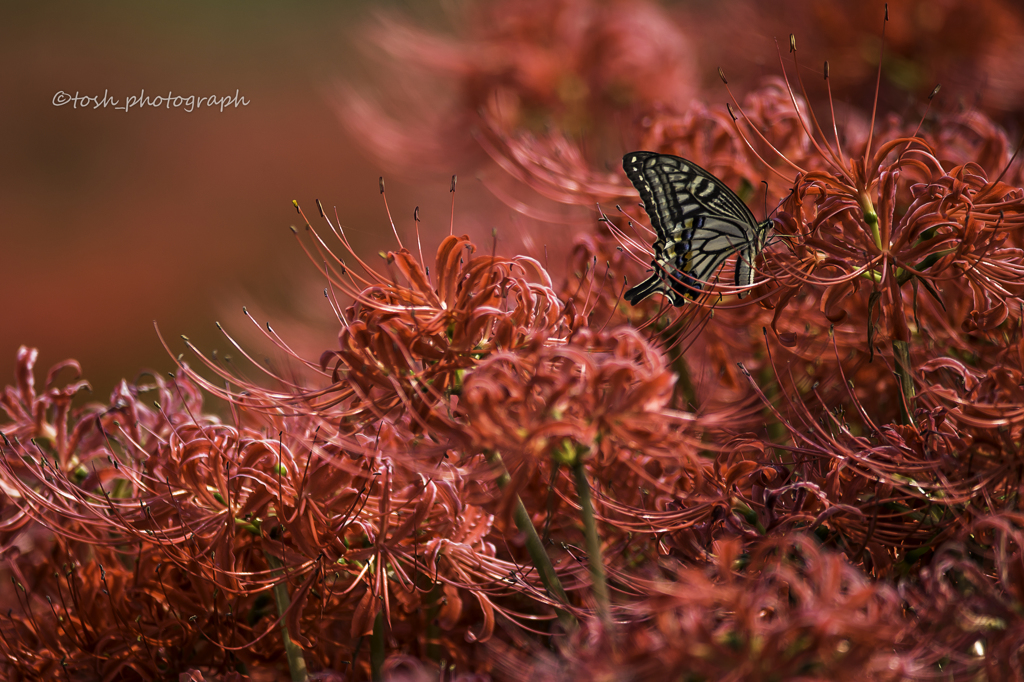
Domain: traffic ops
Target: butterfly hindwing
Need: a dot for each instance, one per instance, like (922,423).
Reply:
(711,246)
(699,221)
(744,268)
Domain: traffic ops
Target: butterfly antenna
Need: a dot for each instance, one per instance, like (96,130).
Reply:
(765,183)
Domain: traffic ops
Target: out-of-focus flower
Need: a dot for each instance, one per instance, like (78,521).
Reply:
(974,588)
(968,46)
(575,65)
(792,611)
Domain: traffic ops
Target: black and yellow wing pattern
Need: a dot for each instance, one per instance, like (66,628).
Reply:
(699,221)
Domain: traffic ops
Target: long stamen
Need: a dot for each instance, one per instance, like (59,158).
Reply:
(878,85)
(814,119)
(798,169)
(835,127)
(390,219)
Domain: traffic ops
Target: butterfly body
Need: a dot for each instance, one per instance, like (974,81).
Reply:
(699,221)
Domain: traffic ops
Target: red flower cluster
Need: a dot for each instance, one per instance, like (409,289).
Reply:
(498,473)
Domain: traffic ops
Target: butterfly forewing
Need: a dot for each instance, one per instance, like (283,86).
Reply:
(699,221)
(674,189)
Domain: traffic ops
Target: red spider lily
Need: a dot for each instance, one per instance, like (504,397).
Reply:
(932,222)
(990,400)
(603,395)
(949,225)
(485,362)
(888,492)
(601,399)
(197,506)
(353,520)
(955,220)
(45,416)
(405,345)
(792,611)
(359,504)
(349,507)
(884,248)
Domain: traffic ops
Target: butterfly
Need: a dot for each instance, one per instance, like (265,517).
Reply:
(699,222)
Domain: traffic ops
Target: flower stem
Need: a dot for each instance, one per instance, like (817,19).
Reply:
(669,334)
(377,648)
(433,628)
(777,432)
(901,358)
(541,560)
(685,384)
(593,545)
(296,661)
(870,217)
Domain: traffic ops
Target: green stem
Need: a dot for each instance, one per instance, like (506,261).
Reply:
(777,431)
(541,560)
(296,661)
(377,648)
(685,385)
(904,276)
(901,358)
(433,628)
(593,545)
(871,218)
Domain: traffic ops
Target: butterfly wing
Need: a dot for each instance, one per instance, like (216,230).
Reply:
(674,189)
(745,263)
(699,221)
(709,246)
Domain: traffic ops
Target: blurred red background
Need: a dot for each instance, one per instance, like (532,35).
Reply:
(113,219)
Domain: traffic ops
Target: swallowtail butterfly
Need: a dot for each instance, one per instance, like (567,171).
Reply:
(699,222)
